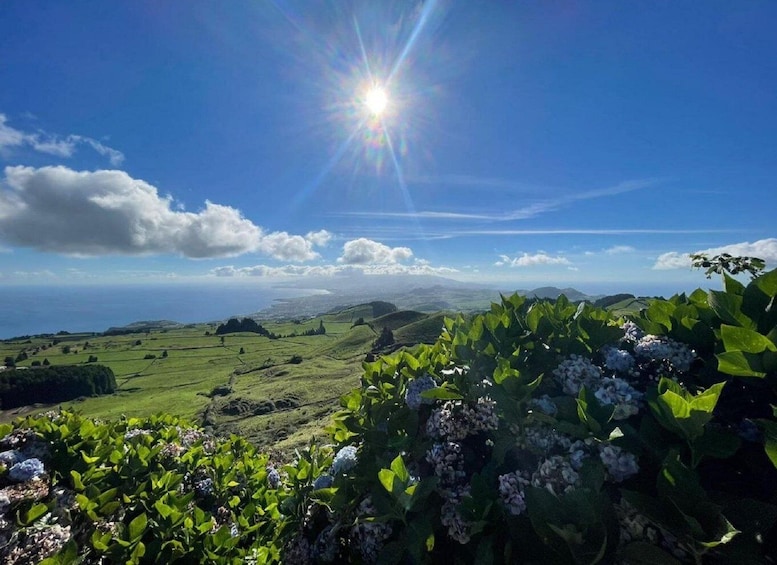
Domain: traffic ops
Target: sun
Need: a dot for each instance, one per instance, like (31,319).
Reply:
(376,101)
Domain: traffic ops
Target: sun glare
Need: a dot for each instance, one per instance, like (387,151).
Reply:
(376,101)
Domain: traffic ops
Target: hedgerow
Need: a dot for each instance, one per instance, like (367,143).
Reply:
(538,432)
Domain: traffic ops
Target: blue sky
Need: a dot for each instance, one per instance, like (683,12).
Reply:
(521,144)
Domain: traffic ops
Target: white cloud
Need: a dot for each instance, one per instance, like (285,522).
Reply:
(85,213)
(364,251)
(765,249)
(319,238)
(329,270)
(619,249)
(526,260)
(51,144)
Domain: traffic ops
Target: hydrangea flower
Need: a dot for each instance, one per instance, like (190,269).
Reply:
(136,432)
(632,332)
(369,537)
(618,360)
(511,488)
(674,355)
(450,515)
(575,372)
(456,420)
(204,487)
(323,481)
(544,404)
(325,546)
(615,391)
(345,460)
(273,477)
(11,457)
(447,462)
(620,464)
(26,470)
(415,387)
(556,475)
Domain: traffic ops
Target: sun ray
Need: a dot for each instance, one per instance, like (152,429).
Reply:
(426,11)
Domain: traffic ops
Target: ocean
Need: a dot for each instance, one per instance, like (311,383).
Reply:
(35,309)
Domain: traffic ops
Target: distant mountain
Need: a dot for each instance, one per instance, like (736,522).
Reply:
(552,292)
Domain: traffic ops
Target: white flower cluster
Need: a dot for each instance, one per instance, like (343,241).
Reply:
(415,387)
(556,475)
(617,392)
(543,438)
(459,529)
(620,464)
(636,527)
(369,537)
(511,491)
(136,432)
(631,332)
(456,420)
(575,372)
(673,355)
(345,460)
(447,461)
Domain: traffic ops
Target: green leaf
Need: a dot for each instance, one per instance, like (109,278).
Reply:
(35,512)
(137,527)
(398,466)
(732,285)
(770,439)
(386,477)
(742,339)
(444,392)
(740,364)
(728,307)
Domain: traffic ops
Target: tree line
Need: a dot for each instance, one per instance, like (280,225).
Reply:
(54,384)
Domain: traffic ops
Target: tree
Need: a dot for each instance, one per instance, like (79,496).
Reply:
(46,362)
(385,338)
(242,351)
(66,349)
(9,362)
(725,263)
(164,354)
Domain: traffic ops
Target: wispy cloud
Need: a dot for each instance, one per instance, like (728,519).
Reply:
(294,271)
(52,144)
(765,249)
(530,211)
(619,249)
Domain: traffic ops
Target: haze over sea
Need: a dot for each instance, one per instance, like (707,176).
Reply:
(33,309)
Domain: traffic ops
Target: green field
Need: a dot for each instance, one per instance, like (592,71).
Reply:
(259,393)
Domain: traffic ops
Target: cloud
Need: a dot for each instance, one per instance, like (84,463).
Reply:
(60,210)
(364,251)
(529,211)
(287,271)
(286,247)
(619,249)
(526,260)
(51,144)
(765,249)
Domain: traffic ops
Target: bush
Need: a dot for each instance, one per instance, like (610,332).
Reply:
(551,432)
(149,356)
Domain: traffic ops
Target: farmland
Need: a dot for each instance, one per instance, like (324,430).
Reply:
(276,392)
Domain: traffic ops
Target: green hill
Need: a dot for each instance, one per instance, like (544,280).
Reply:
(426,330)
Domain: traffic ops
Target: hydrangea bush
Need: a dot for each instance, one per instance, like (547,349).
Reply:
(538,432)
(552,432)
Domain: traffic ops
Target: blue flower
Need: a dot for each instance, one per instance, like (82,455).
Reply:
(10,457)
(345,460)
(324,481)
(273,477)
(26,470)
(413,397)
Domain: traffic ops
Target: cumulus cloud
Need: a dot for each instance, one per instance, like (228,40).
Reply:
(51,144)
(364,251)
(765,249)
(526,260)
(60,210)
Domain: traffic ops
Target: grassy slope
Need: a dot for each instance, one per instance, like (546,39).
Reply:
(300,396)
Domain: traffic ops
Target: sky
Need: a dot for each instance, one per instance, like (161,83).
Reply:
(520,144)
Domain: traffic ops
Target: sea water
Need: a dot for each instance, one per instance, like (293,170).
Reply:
(35,309)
